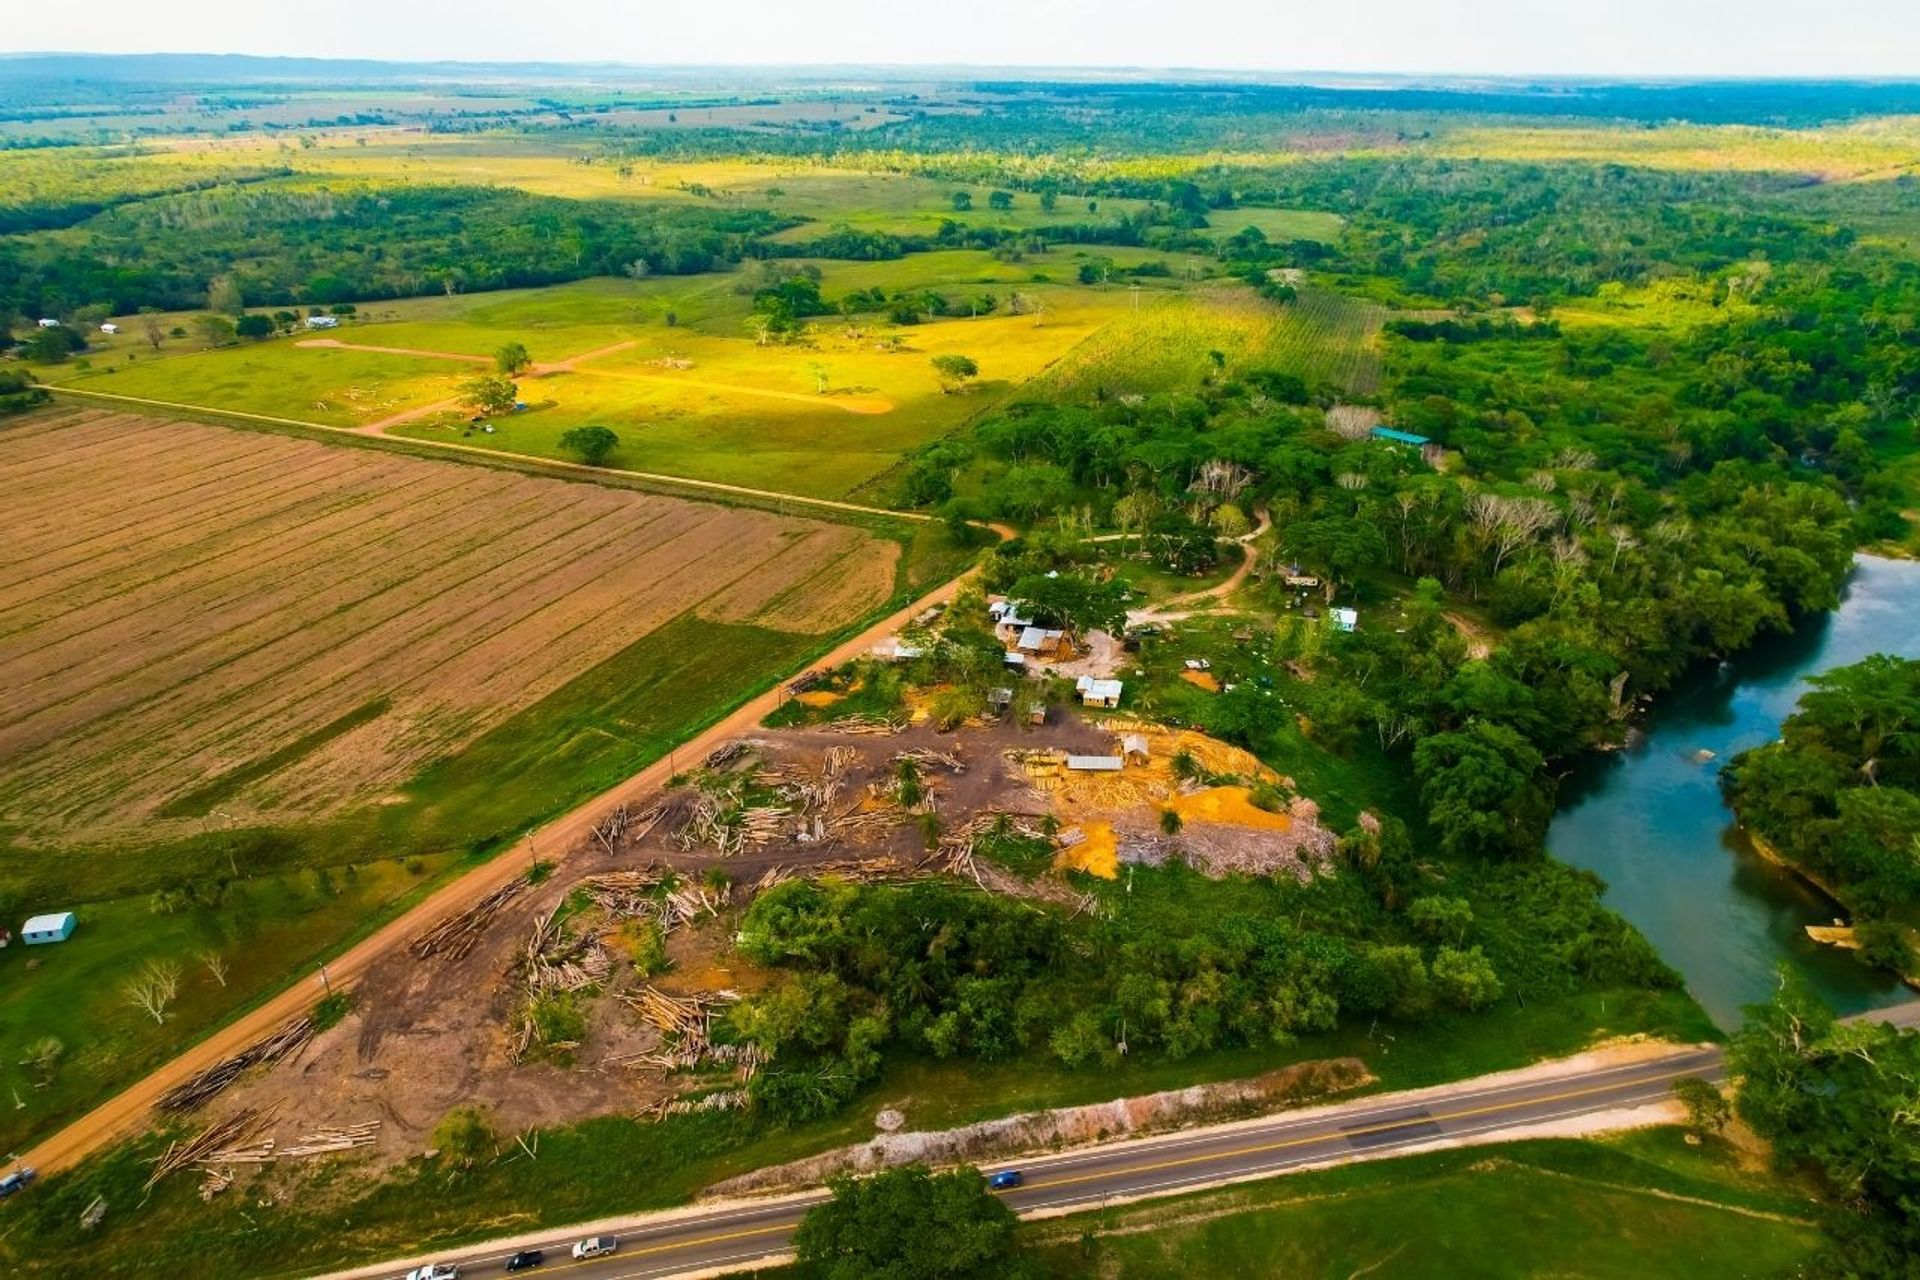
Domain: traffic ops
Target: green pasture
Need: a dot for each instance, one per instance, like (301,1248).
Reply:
(266,929)
(1641,1206)
(279,379)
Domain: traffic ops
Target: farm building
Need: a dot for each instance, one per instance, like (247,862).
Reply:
(1037,713)
(323,322)
(1346,619)
(46,323)
(894,649)
(999,700)
(1133,747)
(1015,662)
(1041,642)
(1094,764)
(54,927)
(1394,436)
(109,327)
(1098,693)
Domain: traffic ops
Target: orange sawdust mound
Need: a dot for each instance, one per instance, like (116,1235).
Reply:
(820,697)
(1098,854)
(1201,679)
(1228,806)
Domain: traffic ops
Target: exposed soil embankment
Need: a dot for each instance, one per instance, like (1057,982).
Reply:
(1064,1126)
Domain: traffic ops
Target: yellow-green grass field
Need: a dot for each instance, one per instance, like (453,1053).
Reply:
(701,398)
(1876,148)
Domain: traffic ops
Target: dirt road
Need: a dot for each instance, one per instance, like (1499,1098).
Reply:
(1179,607)
(127,1113)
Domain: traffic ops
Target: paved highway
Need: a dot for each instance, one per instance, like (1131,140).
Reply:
(738,1234)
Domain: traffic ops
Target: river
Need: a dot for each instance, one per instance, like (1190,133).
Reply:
(1651,822)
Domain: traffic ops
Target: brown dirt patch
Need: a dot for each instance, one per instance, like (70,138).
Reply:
(1201,680)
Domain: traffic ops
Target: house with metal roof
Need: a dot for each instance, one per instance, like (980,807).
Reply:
(1098,693)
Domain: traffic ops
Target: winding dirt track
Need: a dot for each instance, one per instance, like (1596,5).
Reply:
(1178,607)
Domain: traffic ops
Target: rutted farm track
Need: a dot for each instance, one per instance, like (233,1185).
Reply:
(179,601)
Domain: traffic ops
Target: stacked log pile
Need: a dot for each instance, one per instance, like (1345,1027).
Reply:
(201,1089)
(456,934)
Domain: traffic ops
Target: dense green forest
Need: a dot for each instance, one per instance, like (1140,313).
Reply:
(288,244)
(1839,795)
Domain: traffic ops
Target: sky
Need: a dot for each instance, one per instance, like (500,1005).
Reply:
(1518,37)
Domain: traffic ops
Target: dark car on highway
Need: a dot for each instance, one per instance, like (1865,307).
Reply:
(525,1260)
(1006,1180)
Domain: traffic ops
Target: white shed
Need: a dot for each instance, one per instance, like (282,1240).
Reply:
(109,327)
(56,926)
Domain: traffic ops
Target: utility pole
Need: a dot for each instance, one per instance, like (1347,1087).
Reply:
(325,980)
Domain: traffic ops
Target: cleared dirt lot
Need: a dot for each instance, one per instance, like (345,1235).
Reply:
(182,604)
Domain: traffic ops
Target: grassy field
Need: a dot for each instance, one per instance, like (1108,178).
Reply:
(1639,1207)
(262,930)
(695,397)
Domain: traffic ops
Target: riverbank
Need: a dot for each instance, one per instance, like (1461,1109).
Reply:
(1652,822)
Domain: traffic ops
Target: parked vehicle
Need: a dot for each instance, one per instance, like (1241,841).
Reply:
(435,1271)
(526,1260)
(595,1247)
(1006,1180)
(16,1181)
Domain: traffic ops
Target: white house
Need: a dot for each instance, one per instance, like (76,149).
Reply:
(323,322)
(1346,619)
(1098,693)
(49,324)
(109,327)
(54,927)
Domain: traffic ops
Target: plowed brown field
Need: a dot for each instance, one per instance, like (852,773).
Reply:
(180,601)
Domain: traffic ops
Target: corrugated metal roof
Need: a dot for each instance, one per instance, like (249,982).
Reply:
(1399,437)
(1094,764)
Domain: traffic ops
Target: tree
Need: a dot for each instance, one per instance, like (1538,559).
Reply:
(1480,786)
(1072,601)
(51,346)
(1465,979)
(908,1224)
(1002,200)
(153,988)
(512,359)
(490,393)
(224,297)
(254,327)
(216,966)
(215,330)
(1442,919)
(1707,1108)
(962,201)
(464,1137)
(43,1055)
(1839,1098)
(591,443)
(955,371)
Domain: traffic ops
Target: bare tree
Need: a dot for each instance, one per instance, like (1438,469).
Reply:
(1508,524)
(216,966)
(1227,479)
(153,988)
(42,1056)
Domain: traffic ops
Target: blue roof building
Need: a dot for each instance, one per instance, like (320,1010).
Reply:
(1393,436)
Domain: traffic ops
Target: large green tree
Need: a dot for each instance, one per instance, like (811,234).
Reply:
(909,1224)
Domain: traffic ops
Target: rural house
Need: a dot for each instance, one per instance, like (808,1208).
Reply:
(1041,642)
(1098,693)
(1346,619)
(109,327)
(54,927)
(1133,747)
(323,322)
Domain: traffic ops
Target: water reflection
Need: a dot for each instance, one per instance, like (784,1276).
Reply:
(1650,820)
